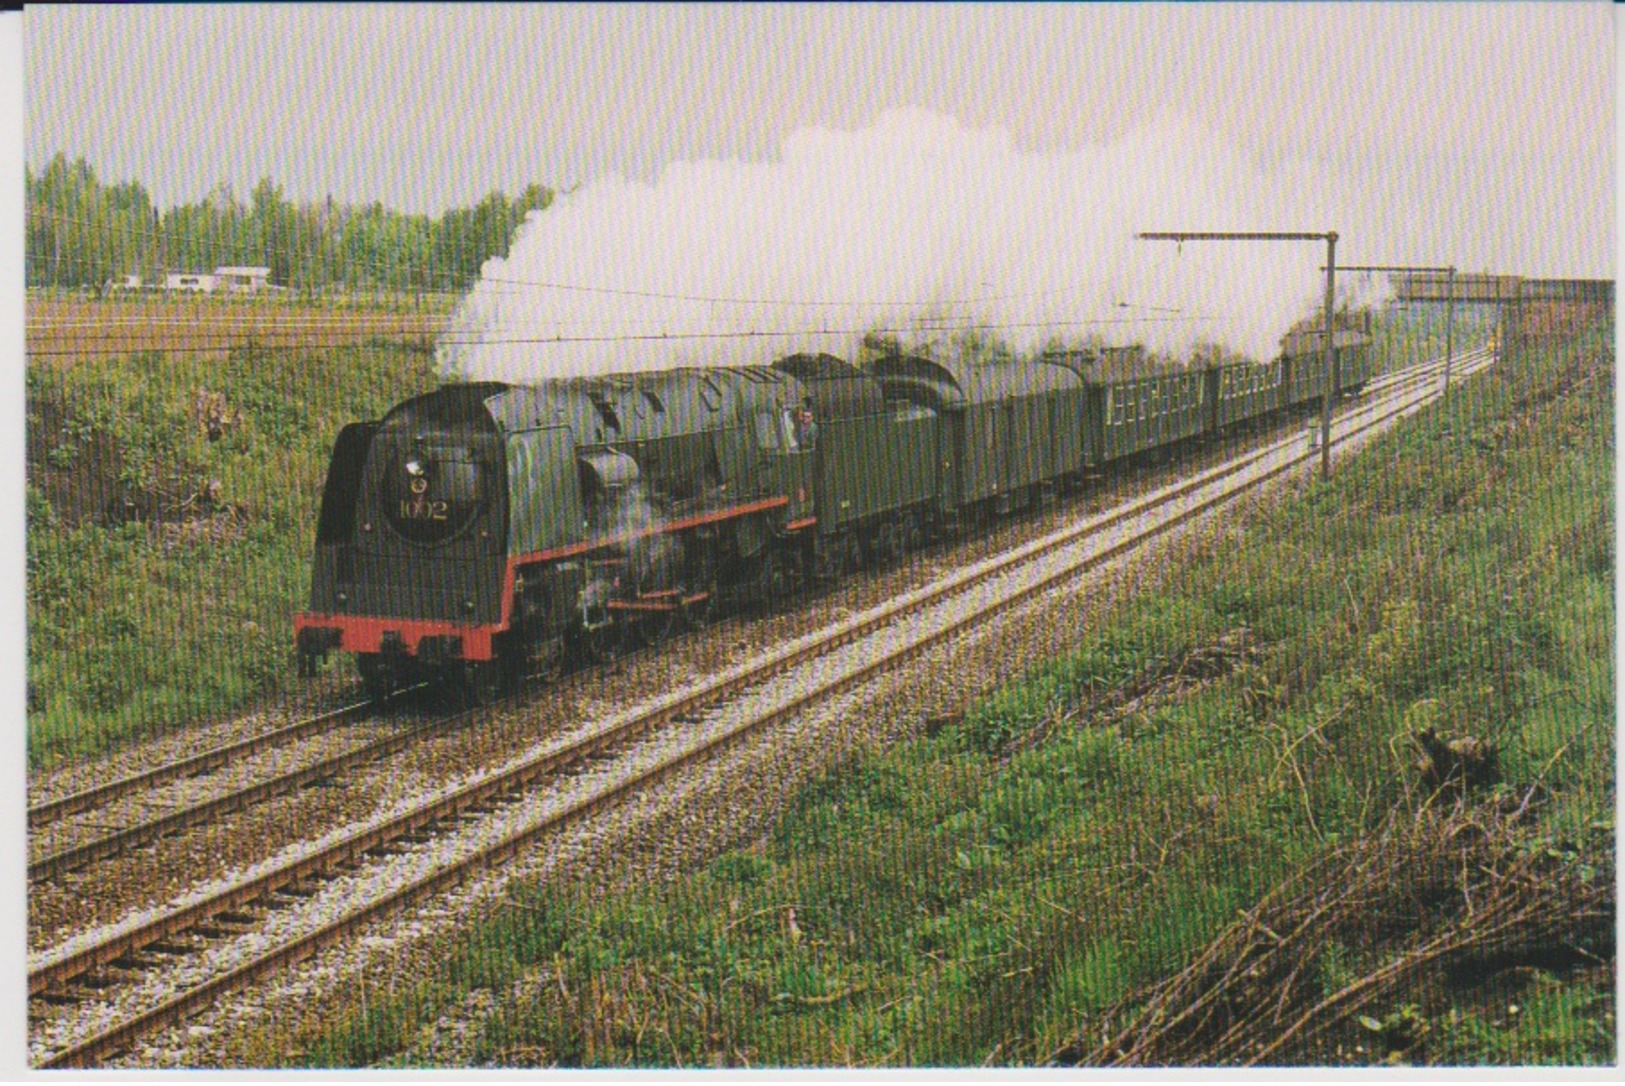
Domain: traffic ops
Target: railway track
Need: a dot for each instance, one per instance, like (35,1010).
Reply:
(717,711)
(47,812)
(75,857)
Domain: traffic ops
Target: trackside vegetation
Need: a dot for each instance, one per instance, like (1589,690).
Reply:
(1337,790)
(170,499)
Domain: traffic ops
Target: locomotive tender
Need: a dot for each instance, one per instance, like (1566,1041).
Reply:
(487,530)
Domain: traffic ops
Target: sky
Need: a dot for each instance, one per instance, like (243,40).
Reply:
(1471,132)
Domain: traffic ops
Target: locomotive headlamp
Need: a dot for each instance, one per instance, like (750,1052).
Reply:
(414,468)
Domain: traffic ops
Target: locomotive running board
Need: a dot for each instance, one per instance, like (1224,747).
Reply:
(652,604)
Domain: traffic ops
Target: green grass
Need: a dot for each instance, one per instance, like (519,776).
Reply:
(134,629)
(1547,1023)
(989,893)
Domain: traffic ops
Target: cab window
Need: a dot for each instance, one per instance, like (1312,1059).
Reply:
(787,422)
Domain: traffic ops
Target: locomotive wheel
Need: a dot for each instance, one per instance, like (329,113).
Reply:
(603,644)
(511,663)
(775,581)
(658,626)
(478,682)
(547,660)
(377,676)
(699,577)
(772,580)
(701,613)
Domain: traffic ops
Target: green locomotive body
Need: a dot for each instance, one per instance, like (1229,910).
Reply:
(483,529)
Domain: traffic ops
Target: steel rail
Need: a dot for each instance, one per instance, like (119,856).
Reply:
(43,814)
(78,856)
(101,848)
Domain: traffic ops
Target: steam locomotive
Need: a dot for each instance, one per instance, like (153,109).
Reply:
(486,531)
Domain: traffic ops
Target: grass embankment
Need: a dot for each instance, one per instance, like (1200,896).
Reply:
(1205,833)
(171,504)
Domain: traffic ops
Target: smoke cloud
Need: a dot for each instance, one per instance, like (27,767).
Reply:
(916,227)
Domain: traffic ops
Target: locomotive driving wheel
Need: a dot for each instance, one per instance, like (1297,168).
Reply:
(773,579)
(378,677)
(651,628)
(480,682)
(603,642)
(700,606)
(547,660)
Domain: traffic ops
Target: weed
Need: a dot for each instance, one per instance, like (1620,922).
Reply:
(143,612)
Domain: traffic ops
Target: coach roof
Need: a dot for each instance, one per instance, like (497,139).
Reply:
(959,384)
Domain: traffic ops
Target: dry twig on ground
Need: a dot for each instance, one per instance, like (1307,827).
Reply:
(1431,890)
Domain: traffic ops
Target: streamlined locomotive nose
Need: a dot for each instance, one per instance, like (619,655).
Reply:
(431,496)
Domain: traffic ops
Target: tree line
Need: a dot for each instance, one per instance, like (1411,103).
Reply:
(83,233)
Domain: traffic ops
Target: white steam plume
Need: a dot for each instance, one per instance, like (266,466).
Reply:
(914,225)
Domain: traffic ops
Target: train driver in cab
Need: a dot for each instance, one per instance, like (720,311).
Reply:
(806,425)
